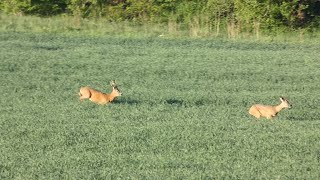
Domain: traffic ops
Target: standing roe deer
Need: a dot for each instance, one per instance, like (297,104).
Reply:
(269,112)
(99,97)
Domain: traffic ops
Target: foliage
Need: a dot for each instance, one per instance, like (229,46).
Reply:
(15,6)
(244,14)
(183,113)
(35,7)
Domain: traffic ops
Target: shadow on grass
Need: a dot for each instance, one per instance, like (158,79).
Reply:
(310,116)
(170,102)
(126,101)
(179,102)
(174,102)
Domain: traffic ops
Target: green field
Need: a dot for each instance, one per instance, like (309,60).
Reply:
(182,115)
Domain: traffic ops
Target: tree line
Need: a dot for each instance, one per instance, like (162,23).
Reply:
(244,15)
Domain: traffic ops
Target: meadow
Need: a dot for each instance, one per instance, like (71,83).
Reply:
(183,113)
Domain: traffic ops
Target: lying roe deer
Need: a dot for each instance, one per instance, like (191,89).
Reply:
(99,97)
(269,112)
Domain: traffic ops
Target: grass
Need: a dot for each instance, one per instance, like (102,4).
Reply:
(183,113)
(73,25)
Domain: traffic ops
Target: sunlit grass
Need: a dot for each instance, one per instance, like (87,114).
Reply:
(183,113)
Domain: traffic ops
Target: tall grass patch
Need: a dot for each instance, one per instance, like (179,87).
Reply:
(197,27)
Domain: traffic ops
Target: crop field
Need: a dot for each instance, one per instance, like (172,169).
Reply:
(183,113)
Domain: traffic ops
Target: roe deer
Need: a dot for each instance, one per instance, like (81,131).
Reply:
(99,97)
(269,112)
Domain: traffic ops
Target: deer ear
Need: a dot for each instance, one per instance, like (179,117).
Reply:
(282,98)
(113,83)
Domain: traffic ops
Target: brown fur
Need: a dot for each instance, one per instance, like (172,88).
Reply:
(97,96)
(269,112)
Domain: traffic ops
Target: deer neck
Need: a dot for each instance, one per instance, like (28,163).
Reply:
(279,108)
(111,96)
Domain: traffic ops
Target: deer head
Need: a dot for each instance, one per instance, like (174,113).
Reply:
(115,88)
(285,103)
